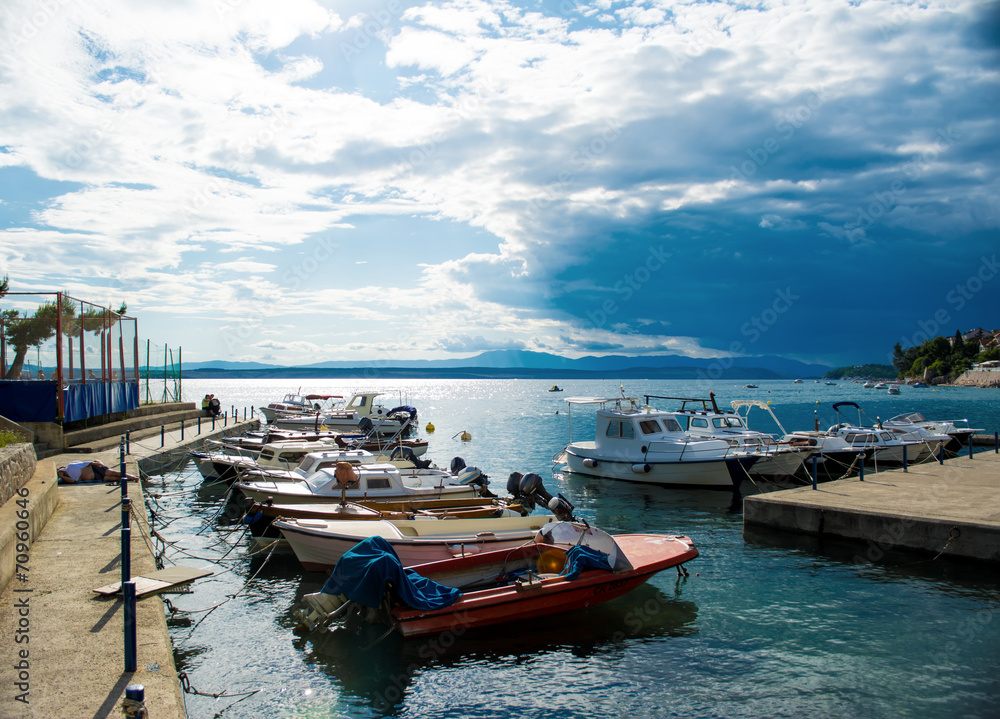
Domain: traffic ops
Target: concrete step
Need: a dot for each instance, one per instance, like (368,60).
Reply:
(107,435)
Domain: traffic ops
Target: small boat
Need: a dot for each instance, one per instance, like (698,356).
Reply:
(798,381)
(881,385)
(893,389)
(296,402)
(868,385)
(830,384)
(556,388)
(353,415)
(371,481)
(958,430)
(750,386)
(569,566)
(638,443)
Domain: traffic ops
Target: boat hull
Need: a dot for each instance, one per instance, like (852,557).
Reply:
(549,594)
(319,549)
(696,473)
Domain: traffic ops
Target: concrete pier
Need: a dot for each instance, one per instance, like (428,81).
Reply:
(61,645)
(949,510)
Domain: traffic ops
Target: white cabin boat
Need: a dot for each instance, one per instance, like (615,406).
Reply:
(375,482)
(360,412)
(296,403)
(638,443)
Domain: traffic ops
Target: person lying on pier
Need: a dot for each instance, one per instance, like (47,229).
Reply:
(94,471)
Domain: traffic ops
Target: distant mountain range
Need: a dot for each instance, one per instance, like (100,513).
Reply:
(516,363)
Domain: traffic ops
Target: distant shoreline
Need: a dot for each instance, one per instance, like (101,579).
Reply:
(482,373)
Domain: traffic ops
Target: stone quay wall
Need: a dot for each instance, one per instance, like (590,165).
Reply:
(17,465)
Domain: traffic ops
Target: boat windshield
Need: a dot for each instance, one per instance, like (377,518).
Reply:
(728,421)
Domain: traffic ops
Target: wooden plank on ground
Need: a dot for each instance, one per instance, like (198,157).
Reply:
(156,582)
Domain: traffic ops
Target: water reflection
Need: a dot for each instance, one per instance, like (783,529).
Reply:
(379,669)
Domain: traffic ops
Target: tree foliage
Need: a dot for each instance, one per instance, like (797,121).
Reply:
(24,331)
(941,357)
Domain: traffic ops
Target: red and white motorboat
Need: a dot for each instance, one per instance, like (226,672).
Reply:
(520,583)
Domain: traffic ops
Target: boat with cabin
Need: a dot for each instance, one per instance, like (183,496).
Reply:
(635,442)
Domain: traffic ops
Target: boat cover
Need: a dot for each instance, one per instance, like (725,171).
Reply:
(582,557)
(362,572)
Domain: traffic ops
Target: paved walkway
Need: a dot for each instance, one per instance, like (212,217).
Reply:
(62,645)
(952,508)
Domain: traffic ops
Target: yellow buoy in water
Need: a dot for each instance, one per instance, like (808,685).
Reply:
(429,427)
(466,436)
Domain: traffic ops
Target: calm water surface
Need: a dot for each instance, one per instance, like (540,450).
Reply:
(765,625)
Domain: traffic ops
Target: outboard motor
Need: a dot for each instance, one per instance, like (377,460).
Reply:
(366,425)
(457,465)
(407,454)
(530,490)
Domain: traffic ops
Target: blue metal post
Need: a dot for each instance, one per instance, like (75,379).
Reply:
(941,454)
(126,540)
(904,459)
(970,445)
(213,422)
(128,441)
(136,693)
(128,596)
(163,433)
(815,462)
(199,425)
(996,442)
(182,430)
(861,467)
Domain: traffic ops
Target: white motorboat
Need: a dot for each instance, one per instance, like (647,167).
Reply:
(328,459)
(880,445)
(957,430)
(225,465)
(373,481)
(893,389)
(360,412)
(868,385)
(881,385)
(319,543)
(638,443)
(297,403)
(704,419)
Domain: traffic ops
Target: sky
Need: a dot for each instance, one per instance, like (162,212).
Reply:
(312,180)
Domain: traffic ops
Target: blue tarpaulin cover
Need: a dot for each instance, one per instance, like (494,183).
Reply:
(36,401)
(362,572)
(582,557)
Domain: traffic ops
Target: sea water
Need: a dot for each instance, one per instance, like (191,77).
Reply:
(765,625)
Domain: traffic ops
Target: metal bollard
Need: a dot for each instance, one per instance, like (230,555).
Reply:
(213,422)
(970,446)
(251,412)
(815,463)
(199,425)
(134,704)
(996,442)
(128,441)
(225,419)
(182,430)
(861,467)
(904,460)
(941,454)
(128,597)
(163,434)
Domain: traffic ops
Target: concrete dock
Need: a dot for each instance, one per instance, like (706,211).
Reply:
(62,645)
(949,510)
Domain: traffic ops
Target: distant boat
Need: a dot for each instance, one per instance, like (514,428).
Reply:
(749,386)
(919,384)
(868,385)
(798,381)
(830,384)
(893,389)
(881,385)
(556,388)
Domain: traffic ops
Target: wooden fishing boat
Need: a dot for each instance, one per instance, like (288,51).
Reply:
(504,586)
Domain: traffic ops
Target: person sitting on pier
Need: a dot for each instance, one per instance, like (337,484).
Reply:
(94,471)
